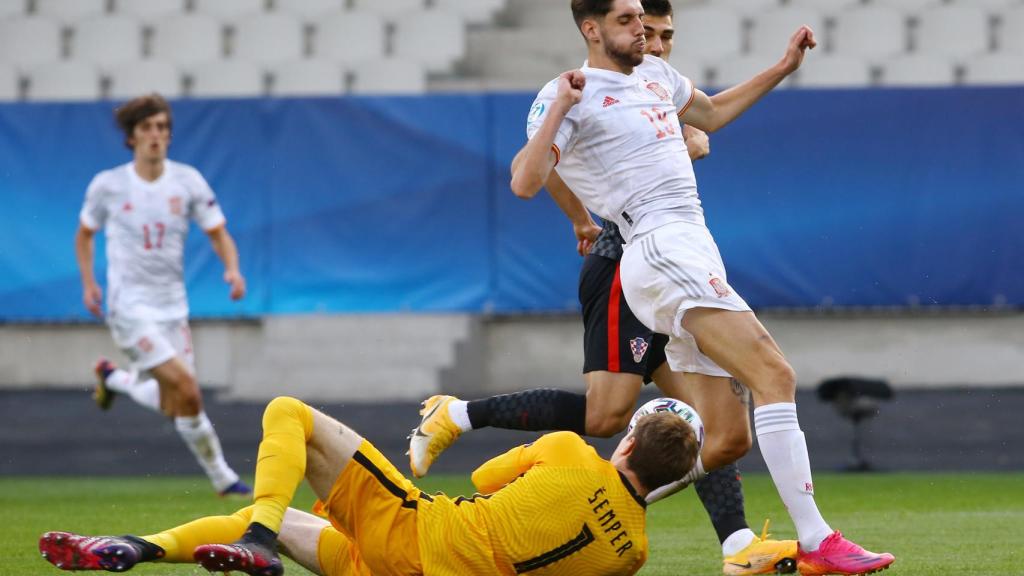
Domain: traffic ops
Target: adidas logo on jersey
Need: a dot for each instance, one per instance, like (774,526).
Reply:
(609,101)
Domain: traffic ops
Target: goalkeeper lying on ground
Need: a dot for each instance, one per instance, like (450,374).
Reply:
(550,507)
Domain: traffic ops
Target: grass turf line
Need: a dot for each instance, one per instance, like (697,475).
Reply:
(935,524)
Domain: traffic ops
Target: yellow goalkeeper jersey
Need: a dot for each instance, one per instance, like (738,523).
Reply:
(550,507)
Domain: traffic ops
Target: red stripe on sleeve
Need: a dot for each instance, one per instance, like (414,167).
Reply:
(614,300)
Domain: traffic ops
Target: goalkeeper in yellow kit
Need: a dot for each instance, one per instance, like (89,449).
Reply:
(550,507)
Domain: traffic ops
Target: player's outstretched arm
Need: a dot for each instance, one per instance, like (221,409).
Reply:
(225,248)
(714,112)
(85,247)
(537,158)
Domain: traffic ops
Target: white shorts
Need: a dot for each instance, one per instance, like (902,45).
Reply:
(669,270)
(150,343)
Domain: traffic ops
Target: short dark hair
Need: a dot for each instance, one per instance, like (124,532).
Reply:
(665,450)
(129,114)
(582,9)
(657,7)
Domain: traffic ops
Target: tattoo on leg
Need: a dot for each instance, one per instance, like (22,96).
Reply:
(740,391)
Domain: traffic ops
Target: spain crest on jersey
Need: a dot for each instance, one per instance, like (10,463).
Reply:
(721,288)
(658,91)
(638,346)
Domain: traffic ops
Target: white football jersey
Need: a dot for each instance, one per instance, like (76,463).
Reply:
(146,226)
(621,148)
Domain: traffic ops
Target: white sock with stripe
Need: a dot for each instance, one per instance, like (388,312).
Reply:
(784,449)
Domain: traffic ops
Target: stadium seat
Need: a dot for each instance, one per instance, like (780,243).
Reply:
(693,68)
(307,78)
(188,39)
(70,11)
(10,8)
(953,31)
(472,11)
(29,41)
(918,70)
(10,83)
(748,7)
(131,79)
(309,9)
(991,4)
(733,71)
(227,79)
(1011,32)
(268,38)
(773,29)
(825,71)
(708,32)
(389,8)
(349,37)
(433,37)
(871,32)
(107,40)
(995,69)
(828,6)
(229,9)
(64,81)
(149,11)
(388,77)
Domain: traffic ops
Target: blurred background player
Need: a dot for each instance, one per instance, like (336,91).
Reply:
(532,502)
(620,354)
(671,271)
(145,206)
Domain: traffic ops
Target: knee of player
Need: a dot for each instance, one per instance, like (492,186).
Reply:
(783,376)
(285,408)
(727,447)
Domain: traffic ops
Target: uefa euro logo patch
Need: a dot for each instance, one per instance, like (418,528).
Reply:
(639,347)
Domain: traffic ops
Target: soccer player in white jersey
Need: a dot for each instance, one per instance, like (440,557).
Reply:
(145,206)
(613,130)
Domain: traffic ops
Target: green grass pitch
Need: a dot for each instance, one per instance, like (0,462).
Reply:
(935,524)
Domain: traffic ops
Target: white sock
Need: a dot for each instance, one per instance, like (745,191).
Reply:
(737,541)
(784,450)
(695,473)
(198,433)
(146,392)
(460,415)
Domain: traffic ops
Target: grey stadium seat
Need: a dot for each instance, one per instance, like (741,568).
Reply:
(349,37)
(389,77)
(434,38)
(64,81)
(996,69)
(309,9)
(70,11)
(706,32)
(28,41)
(918,70)
(834,71)
(388,8)
(954,31)
(229,9)
(131,79)
(268,38)
(871,32)
(1011,33)
(227,79)
(188,39)
(9,82)
(772,29)
(106,40)
(9,8)
(149,11)
(308,78)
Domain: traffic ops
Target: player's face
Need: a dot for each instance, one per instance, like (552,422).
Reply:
(151,137)
(658,32)
(622,33)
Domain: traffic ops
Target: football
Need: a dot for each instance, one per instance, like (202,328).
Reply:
(677,407)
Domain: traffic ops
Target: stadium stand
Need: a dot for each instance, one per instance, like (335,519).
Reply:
(433,38)
(388,75)
(267,39)
(1011,37)
(229,9)
(226,79)
(66,80)
(309,10)
(106,40)
(918,70)
(834,71)
(349,38)
(773,27)
(28,41)
(12,8)
(187,39)
(70,11)
(9,83)
(149,11)
(995,69)
(129,79)
(871,32)
(307,78)
(957,32)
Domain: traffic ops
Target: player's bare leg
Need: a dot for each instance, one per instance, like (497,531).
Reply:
(611,400)
(181,399)
(738,343)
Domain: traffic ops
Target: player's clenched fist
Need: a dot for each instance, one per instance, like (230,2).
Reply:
(801,40)
(570,87)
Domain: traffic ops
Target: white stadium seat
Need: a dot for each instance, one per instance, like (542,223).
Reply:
(472,11)
(188,39)
(1011,32)
(693,68)
(227,79)
(9,8)
(64,81)
(918,70)
(908,5)
(773,29)
(308,78)
(268,38)
(733,71)
(107,40)
(996,69)
(388,77)
(131,79)
(69,11)
(708,32)
(953,31)
(229,9)
(29,41)
(9,82)
(349,37)
(832,71)
(828,6)
(149,11)
(309,9)
(870,32)
(434,38)
(748,7)
(388,7)
(990,4)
